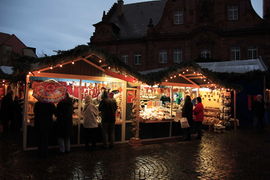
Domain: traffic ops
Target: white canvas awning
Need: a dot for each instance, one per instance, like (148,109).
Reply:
(240,66)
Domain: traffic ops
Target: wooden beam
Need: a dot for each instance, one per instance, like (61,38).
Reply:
(93,64)
(179,84)
(192,82)
(71,76)
(68,62)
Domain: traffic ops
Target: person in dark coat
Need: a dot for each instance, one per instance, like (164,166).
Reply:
(258,111)
(187,111)
(64,123)
(107,107)
(6,112)
(43,124)
(17,119)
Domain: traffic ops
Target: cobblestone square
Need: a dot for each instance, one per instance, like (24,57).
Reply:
(241,154)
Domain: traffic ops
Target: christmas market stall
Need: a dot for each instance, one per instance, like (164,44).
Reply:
(162,99)
(81,71)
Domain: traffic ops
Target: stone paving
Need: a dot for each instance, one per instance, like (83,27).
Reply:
(241,154)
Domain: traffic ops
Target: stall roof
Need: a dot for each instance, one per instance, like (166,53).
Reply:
(240,66)
(86,60)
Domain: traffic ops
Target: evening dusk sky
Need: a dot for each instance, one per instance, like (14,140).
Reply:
(58,24)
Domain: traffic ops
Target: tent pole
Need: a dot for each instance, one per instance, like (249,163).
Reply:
(234,106)
(25,113)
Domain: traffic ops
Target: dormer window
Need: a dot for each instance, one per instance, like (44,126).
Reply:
(137,59)
(206,54)
(178,17)
(235,53)
(233,13)
(125,59)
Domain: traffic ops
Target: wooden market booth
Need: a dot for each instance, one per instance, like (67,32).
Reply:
(84,71)
(161,102)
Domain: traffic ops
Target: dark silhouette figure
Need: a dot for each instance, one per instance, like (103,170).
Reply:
(258,111)
(187,111)
(199,115)
(43,125)
(7,112)
(64,123)
(108,108)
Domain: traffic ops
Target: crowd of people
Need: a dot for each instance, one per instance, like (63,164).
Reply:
(44,114)
(11,113)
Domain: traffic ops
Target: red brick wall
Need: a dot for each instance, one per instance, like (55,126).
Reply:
(214,32)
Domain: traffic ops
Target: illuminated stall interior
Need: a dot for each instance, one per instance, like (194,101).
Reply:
(86,74)
(163,101)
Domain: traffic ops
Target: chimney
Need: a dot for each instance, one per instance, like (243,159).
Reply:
(266,9)
(120,4)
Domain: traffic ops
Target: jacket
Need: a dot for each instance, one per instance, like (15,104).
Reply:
(198,112)
(107,107)
(90,114)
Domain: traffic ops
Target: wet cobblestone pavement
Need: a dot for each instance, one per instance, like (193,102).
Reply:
(231,155)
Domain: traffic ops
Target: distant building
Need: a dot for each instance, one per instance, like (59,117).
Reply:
(155,34)
(11,47)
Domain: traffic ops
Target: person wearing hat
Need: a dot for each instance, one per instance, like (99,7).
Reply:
(90,124)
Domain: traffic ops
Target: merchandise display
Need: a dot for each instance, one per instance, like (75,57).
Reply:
(91,88)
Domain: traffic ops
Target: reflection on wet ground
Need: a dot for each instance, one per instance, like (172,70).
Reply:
(231,155)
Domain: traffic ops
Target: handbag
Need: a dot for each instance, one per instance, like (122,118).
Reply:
(184,122)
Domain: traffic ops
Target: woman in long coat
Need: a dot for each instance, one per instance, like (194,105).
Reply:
(187,111)
(90,124)
(64,123)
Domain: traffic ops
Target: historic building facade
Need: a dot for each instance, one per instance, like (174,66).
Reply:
(156,34)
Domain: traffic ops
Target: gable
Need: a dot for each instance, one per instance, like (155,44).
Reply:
(80,67)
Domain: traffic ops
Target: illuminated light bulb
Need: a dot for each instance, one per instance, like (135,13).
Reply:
(183,72)
(174,76)
(194,73)
(51,67)
(171,77)
(28,72)
(3,81)
(179,74)
(125,75)
(187,70)
(38,71)
(73,62)
(61,65)
(100,61)
(109,67)
(204,80)
(166,80)
(208,82)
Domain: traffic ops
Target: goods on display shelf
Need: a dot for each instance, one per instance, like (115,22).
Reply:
(218,108)
(163,102)
(91,88)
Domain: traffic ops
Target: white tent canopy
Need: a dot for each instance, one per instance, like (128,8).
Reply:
(240,66)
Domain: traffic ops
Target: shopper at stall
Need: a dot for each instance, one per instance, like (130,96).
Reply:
(90,124)
(198,117)
(7,112)
(258,113)
(187,111)
(108,108)
(64,123)
(43,123)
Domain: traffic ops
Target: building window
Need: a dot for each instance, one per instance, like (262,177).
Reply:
(178,17)
(177,56)
(137,59)
(235,53)
(232,13)
(252,53)
(124,58)
(163,57)
(206,54)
